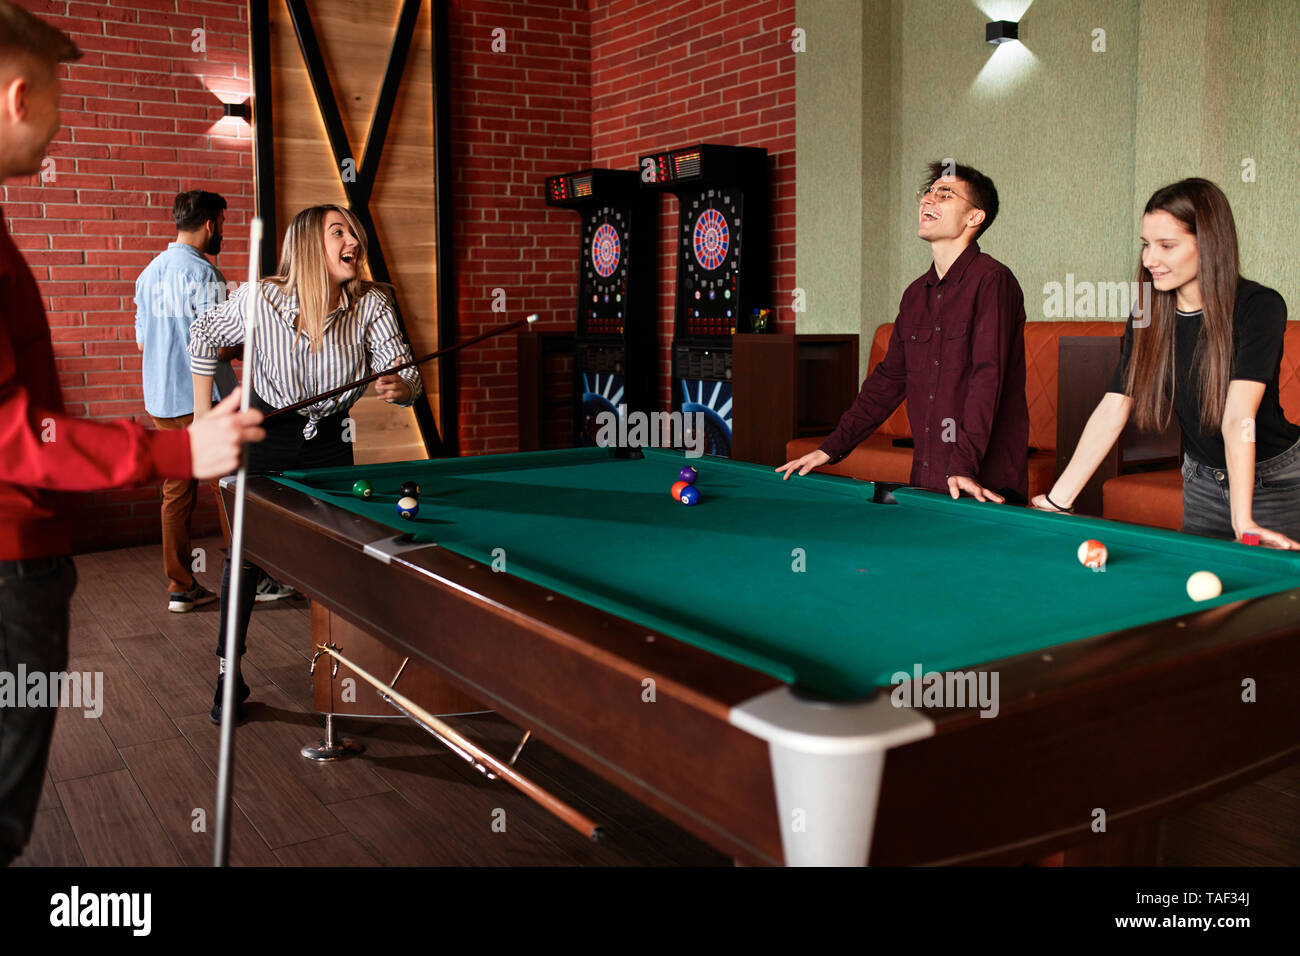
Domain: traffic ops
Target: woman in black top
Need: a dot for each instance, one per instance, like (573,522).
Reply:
(1205,345)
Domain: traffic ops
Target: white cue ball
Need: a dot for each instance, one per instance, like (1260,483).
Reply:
(1204,585)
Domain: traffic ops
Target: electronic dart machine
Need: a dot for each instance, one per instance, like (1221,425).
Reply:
(616,358)
(722,245)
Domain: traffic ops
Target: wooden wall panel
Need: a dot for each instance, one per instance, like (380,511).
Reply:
(355,39)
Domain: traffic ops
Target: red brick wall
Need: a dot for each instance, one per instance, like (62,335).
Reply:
(580,82)
(142,120)
(596,82)
(699,72)
(518,115)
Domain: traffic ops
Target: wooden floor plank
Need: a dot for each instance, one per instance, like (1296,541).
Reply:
(1189,843)
(86,635)
(81,747)
(130,715)
(112,603)
(52,843)
(283,739)
(339,850)
(113,822)
(178,688)
(266,787)
(1254,820)
(295,683)
(49,794)
(176,783)
(1287,781)
(398,834)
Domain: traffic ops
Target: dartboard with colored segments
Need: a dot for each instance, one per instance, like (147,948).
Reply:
(711,239)
(710,256)
(605,250)
(603,287)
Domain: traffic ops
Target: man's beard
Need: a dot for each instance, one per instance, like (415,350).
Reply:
(214,244)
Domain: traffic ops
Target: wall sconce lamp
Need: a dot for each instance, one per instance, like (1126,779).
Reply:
(244,112)
(1001,31)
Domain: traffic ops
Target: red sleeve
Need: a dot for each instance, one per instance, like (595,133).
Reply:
(44,449)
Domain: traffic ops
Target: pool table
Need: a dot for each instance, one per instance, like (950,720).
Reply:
(754,666)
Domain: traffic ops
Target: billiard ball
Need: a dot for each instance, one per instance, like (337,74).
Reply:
(677,489)
(1092,554)
(1204,585)
(688,475)
(362,489)
(410,489)
(690,495)
(408,507)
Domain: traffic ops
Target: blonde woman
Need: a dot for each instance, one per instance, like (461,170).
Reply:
(319,326)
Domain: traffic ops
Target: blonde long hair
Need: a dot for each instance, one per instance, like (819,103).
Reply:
(303,271)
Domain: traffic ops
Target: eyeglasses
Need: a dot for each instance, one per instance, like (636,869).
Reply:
(942,194)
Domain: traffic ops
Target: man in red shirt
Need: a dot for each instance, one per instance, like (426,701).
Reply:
(957,355)
(44,451)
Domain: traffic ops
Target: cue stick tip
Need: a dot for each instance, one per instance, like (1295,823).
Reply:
(532,318)
(597,835)
(255,230)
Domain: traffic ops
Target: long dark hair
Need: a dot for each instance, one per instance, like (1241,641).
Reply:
(1203,209)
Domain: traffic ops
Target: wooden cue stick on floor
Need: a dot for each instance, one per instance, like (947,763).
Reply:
(583,824)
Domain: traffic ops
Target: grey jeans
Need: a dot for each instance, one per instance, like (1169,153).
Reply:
(1206,505)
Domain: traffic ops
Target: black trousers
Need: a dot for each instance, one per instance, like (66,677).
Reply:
(34,599)
(284,448)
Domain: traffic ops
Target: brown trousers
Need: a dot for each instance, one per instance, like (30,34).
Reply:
(178,499)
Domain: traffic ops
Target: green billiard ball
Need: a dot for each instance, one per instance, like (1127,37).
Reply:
(362,489)
(408,507)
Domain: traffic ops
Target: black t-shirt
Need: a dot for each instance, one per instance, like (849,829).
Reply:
(1258,328)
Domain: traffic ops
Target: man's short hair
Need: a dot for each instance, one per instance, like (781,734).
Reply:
(24,35)
(984,195)
(192,209)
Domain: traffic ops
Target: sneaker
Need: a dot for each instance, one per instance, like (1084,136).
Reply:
(241,695)
(182,601)
(269,589)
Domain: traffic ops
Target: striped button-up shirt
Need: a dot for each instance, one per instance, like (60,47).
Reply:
(359,338)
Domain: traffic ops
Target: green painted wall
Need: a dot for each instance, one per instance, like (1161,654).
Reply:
(1074,138)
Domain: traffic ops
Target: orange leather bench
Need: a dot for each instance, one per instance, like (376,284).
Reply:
(877,458)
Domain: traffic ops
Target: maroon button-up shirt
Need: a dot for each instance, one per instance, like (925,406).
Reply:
(957,355)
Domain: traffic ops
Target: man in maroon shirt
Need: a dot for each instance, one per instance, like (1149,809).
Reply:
(957,355)
(44,451)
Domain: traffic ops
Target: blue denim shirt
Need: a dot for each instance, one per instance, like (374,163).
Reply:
(174,289)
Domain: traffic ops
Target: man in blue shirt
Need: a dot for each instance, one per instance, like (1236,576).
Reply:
(178,286)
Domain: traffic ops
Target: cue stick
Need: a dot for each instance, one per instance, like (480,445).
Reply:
(490,333)
(471,752)
(226,758)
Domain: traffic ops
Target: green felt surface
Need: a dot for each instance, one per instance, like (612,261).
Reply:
(930,581)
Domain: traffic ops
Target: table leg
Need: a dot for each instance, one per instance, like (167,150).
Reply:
(828,764)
